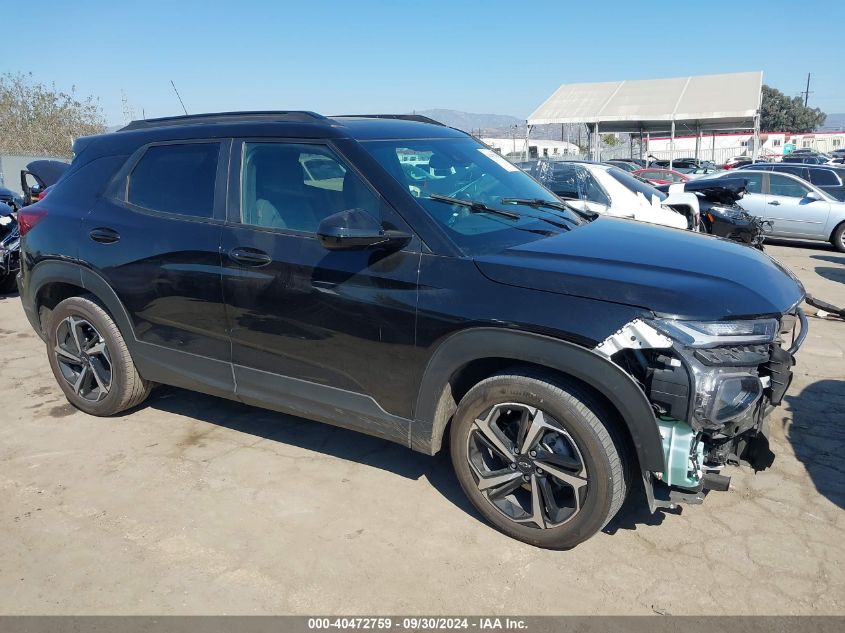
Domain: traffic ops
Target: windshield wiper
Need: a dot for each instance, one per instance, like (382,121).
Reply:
(550,204)
(474,207)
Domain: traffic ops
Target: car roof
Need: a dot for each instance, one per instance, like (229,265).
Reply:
(258,124)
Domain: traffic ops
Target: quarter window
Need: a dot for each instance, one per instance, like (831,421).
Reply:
(296,186)
(176,179)
(824,178)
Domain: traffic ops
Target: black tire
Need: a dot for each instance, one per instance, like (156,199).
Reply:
(126,388)
(838,238)
(588,423)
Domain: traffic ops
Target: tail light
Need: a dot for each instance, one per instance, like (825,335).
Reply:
(28,218)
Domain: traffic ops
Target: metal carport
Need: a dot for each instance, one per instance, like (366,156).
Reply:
(711,103)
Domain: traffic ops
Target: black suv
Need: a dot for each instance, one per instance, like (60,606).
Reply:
(289,261)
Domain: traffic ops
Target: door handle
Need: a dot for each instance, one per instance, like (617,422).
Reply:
(775,203)
(104,235)
(246,256)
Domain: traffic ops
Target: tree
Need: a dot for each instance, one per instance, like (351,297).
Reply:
(780,113)
(40,120)
(610,140)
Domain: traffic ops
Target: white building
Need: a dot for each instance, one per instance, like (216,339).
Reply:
(515,147)
(721,147)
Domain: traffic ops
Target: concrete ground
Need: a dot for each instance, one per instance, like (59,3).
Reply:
(196,505)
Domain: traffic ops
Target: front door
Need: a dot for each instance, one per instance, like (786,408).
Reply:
(793,214)
(329,334)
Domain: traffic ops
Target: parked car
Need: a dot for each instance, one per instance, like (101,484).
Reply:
(806,158)
(720,213)
(737,161)
(11,198)
(608,190)
(625,164)
(564,356)
(660,176)
(38,176)
(10,248)
(829,178)
(795,207)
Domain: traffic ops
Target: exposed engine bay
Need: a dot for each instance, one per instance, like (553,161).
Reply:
(711,386)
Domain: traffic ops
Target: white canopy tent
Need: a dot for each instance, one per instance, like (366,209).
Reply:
(729,102)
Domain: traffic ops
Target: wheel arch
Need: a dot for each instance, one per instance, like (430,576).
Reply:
(469,356)
(52,281)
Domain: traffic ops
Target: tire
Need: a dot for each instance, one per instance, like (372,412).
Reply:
(105,381)
(838,238)
(575,429)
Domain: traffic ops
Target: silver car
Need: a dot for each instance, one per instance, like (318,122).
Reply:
(795,207)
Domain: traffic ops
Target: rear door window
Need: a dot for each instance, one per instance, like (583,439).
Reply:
(824,178)
(176,179)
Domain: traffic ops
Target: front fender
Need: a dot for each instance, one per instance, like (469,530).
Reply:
(586,365)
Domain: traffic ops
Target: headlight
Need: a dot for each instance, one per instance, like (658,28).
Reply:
(727,212)
(712,333)
(723,395)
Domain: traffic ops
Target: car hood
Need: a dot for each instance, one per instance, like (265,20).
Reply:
(671,272)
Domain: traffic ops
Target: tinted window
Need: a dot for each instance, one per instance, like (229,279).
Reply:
(296,186)
(635,185)
(823,177)
(795,170)
(783,186)
(753,182)
(176,179)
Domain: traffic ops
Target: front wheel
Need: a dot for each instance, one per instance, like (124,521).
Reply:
(838,238)
(539,458)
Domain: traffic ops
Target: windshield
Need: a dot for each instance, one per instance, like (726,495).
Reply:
(464,169)
(635,185)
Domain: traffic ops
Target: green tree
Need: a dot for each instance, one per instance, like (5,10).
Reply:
(40,120)
(610,140)
(780,113)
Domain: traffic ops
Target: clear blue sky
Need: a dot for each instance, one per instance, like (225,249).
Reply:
(382,56)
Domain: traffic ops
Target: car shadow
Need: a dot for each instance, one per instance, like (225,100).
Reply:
(634,512)
(795,243)
(315,436)
(833,259)
(833,274)
(817,435)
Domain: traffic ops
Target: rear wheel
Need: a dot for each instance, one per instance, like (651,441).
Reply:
(838,238)
(90,360)
(537,457)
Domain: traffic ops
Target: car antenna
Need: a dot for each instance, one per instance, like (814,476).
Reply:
(178,97)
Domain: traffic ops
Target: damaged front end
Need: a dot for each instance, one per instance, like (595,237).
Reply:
(711,385)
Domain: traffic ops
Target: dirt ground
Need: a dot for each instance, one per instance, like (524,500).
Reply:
(196,505)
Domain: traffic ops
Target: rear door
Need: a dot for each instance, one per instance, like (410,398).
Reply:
(753,201)
(792,213)
(155,238)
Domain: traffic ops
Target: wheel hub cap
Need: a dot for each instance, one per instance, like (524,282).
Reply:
(83,358)
(527,465)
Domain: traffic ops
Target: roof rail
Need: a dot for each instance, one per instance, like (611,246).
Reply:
(298,116)
(419,118)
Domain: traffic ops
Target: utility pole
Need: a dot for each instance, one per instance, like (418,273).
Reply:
(807,91)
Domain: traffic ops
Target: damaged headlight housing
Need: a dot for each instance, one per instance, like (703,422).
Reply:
(723,357)
(716,333)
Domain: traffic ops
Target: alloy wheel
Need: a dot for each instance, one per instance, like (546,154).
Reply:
(83,358)
(527,465)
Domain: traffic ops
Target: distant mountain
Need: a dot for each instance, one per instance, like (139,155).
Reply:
(469,121)
(833,122)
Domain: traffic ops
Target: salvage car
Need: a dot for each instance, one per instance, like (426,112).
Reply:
(10,251)
(10,198)
(794,207)
(38,176)
(608,190)
(720,213)
(565,355)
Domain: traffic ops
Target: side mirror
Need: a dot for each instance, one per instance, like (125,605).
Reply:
(355,229)
(812,195)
